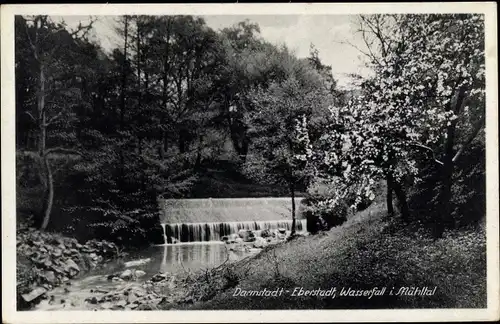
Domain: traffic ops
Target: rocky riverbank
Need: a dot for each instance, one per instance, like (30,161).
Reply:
(47,260)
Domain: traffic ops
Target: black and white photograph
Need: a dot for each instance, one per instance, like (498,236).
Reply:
(169,160)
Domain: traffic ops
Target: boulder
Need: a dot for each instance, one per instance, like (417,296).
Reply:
(139,273)
(34,294)
(260,242)
(58,269)
(159,277)
(136,263)
(246,235)
(121,303)
(92,300)
(50,277)
(126,275)
(47,263)
(265,233)
(131,298)
(225,239)
(71,268)
(37,243)
(242,233)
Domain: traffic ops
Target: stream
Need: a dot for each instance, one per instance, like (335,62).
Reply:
(173,259)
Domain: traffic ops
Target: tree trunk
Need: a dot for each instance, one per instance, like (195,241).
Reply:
(444,216)
(292,193)
(50,194)
(390,206)
(46,173)
(403,204)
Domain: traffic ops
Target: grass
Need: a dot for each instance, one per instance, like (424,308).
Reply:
(367,251)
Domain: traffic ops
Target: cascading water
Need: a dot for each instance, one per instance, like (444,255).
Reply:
(213,232)
(164,233)
(208,220)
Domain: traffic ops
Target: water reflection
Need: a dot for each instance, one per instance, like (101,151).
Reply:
(197,256)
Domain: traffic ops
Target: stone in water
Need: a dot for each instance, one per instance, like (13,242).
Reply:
(136,262)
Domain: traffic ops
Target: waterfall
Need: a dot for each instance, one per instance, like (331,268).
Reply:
(164,233)
(213,232)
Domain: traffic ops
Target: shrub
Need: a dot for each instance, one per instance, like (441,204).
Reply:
(323,207)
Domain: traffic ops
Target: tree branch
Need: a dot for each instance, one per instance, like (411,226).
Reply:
(33,47)
(29,114)
(428,149)
(62,150)
(469,140)
(54,118)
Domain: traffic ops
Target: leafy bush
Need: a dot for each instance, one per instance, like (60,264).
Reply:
(323,207)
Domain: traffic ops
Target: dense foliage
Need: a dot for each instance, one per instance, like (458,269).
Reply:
(417,122)
(177,110)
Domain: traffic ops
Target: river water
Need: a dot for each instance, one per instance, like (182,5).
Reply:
(175,259)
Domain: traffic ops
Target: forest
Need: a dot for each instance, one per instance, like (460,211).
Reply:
(180,110)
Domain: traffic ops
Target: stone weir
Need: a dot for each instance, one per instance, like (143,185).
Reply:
(208,220)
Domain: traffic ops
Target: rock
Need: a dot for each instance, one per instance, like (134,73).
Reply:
(117,279)
(34,294)
(50,277)
(71,268)
(37,243)
(47,263)
(159,277)
(136,262)
(131,298)
(246,235)
(233,238)
(139,273)
(265,233)
(242,233)
(225,239)
(126,275)
(93,256)
(260,242)
(121,303)
(56,252)
(92,300)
